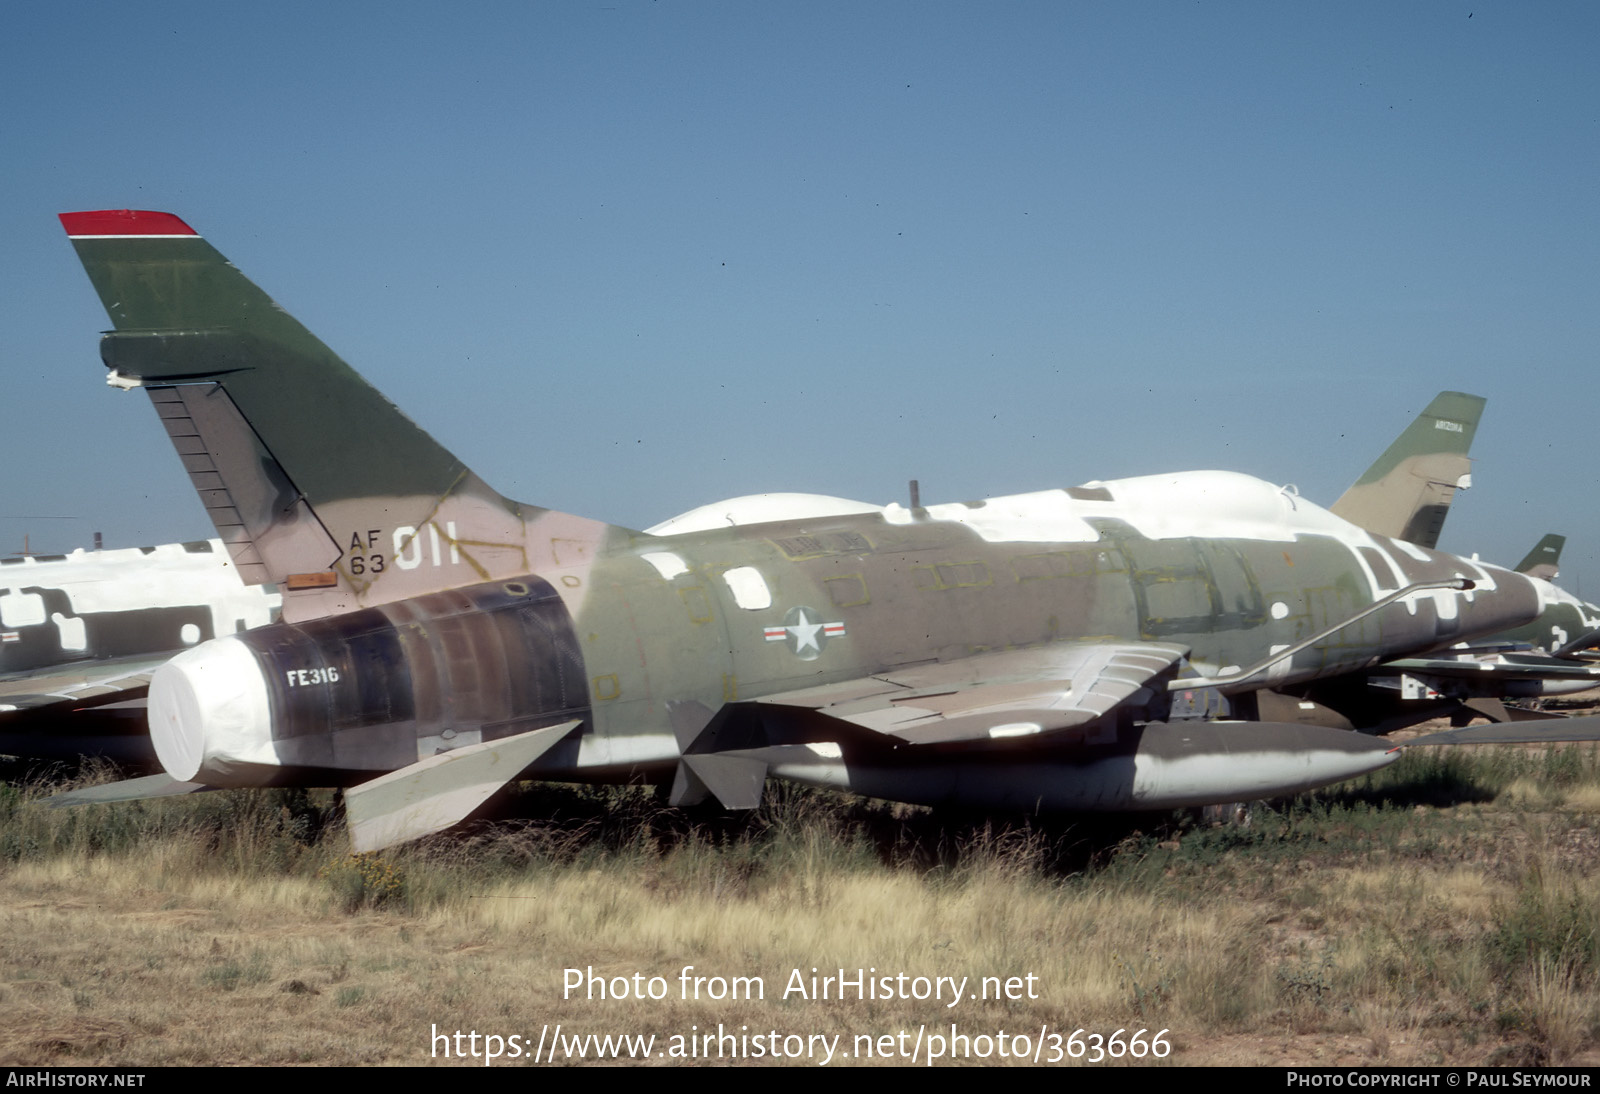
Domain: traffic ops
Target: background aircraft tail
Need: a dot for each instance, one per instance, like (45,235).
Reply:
(1544,561)
(1406,494)
(313,479)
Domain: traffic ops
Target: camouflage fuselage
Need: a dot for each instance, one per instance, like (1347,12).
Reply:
(1562,618)
(425,612)
(648,630)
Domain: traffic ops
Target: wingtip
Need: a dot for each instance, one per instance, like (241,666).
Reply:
(123,222)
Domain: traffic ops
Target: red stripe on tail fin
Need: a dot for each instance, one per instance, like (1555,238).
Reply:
(124,222)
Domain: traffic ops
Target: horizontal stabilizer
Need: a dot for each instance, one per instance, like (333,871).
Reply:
(432,794)
(128,790)
(736,782)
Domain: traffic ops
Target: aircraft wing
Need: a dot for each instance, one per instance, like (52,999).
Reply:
(1555,731)
(991,696)
(1018,708)
(1046,691)
(90,708)
(1503,666)
(79,684)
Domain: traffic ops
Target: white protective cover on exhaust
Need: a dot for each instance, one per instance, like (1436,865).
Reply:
(209,711)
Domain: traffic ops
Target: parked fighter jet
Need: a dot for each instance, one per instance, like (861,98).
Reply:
(81,633)
(1097,647)
(1552,655)
(1568,628)
(1407,494)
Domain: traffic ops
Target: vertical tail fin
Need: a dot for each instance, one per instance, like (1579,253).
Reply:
(313,479)
(1544,561)
(1406,494)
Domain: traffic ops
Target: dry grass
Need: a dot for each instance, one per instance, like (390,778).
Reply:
(1445,911)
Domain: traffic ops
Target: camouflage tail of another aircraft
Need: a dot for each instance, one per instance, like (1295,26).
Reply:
(1406,494)
(1544,561)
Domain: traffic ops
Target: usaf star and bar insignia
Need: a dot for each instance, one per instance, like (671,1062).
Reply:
(805,633)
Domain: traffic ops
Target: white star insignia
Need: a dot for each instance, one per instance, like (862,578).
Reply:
(805,634)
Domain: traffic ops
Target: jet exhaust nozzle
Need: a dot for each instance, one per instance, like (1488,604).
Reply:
(341,698)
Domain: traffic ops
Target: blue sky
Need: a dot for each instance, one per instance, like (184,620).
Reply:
(629,257)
